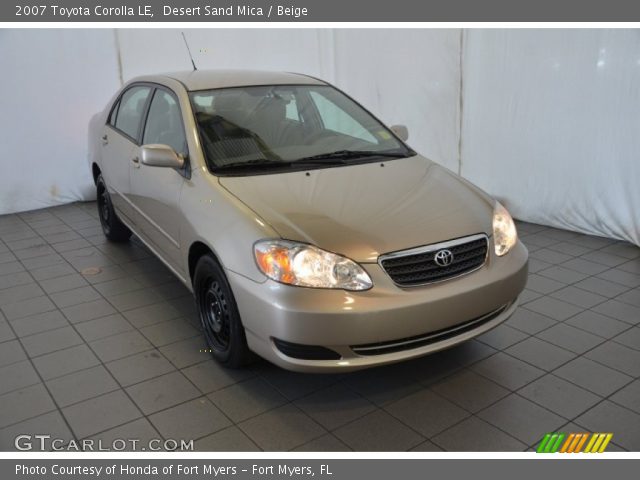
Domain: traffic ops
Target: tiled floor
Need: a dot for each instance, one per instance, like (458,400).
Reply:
(115,353)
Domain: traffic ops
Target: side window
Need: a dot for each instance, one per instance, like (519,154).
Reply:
(130,110)
(336,119)
(164,123)
(114,114)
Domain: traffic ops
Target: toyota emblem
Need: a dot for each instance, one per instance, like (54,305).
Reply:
(443,257)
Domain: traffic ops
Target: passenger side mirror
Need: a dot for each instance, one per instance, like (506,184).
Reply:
(155,155)
(401,131)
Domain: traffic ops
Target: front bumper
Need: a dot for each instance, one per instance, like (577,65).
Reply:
(339,320)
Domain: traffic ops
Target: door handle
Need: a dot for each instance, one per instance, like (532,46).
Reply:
(136,162)
(105,139)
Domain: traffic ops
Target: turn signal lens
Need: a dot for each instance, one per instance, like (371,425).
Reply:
(308,266)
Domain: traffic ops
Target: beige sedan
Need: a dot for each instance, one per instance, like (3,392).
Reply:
(308,231)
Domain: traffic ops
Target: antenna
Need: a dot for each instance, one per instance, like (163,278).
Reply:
(189,50)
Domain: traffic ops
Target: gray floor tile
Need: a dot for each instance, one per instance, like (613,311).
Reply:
(585,266)
(231,439)
(469,390)
(50,423)
(569,248)
(476,435)
(579,297)
(17,376)
(426,446)
(605,258)
(562,275)
(25,403)
(38,323)
(171,331)
(385,385)
(76,296)
(630,338)
(570,338)
(542,284)
(619,357)
(210,376)
(65,361)
(10,267)
(334,406)
(529,322)
(61,284)
(609,417)
(295,385)
(623,249)
(117,286)
(507,371)
(139,367)
(598,324)
(103,327)
(247,399)
(559,396)
(378,431)
(19,293)
(11,352)
(521,418)
(427,412)
(539,353)
(82,385)
(137,435)
(554,308)
(629,396)
(632,266)
(88,311)
(632,297)
(528,296)
(502,337)
(601,287)
(550,256)
(6,333)
(15,279)
(101,413)
(151,314)
(284,428)
(592,376)
(616,275)
(162,392)
(50,341)
(25,308)
(618,310)
(191,420)
(137,299)
(325,443)
(186,352)
(120,345)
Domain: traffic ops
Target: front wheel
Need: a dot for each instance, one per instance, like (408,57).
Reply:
(219,314)
(113,228)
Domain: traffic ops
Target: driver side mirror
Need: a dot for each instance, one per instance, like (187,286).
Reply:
(401,131)
(155,155)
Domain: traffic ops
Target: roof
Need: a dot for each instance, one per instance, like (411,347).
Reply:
(208,79)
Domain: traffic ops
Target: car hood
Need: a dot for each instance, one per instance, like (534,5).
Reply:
(363,211)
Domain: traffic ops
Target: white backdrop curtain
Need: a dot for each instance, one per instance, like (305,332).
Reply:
(546,120)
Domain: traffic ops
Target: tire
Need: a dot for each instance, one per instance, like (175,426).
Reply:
(219,316)
(113,228)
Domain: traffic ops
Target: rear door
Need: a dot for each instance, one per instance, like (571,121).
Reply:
(155,191)
(120,140)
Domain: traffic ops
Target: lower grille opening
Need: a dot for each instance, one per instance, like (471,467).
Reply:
(306,352)
(426,339)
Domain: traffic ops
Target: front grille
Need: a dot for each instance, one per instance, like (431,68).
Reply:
(418,341)
(417,266)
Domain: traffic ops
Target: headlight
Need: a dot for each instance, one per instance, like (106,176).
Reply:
(504,230)
(308,266)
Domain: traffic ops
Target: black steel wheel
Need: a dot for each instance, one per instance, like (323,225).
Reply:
(219,316)
(113,228)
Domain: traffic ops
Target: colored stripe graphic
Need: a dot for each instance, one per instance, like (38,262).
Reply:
(574,443)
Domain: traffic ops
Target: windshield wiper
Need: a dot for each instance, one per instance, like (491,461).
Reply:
(256,163)
(349,155)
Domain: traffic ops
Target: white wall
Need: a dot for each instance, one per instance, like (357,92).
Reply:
(550,118)
(51,82)
(552,125)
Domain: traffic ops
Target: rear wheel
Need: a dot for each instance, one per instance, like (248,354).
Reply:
(113,228)
(219,314)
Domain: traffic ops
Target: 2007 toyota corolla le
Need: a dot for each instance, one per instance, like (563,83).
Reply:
(308,231)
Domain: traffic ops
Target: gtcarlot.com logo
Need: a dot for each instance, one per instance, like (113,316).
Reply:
(27,443)
(574,442)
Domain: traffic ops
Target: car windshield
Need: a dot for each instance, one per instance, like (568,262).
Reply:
(265,128)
